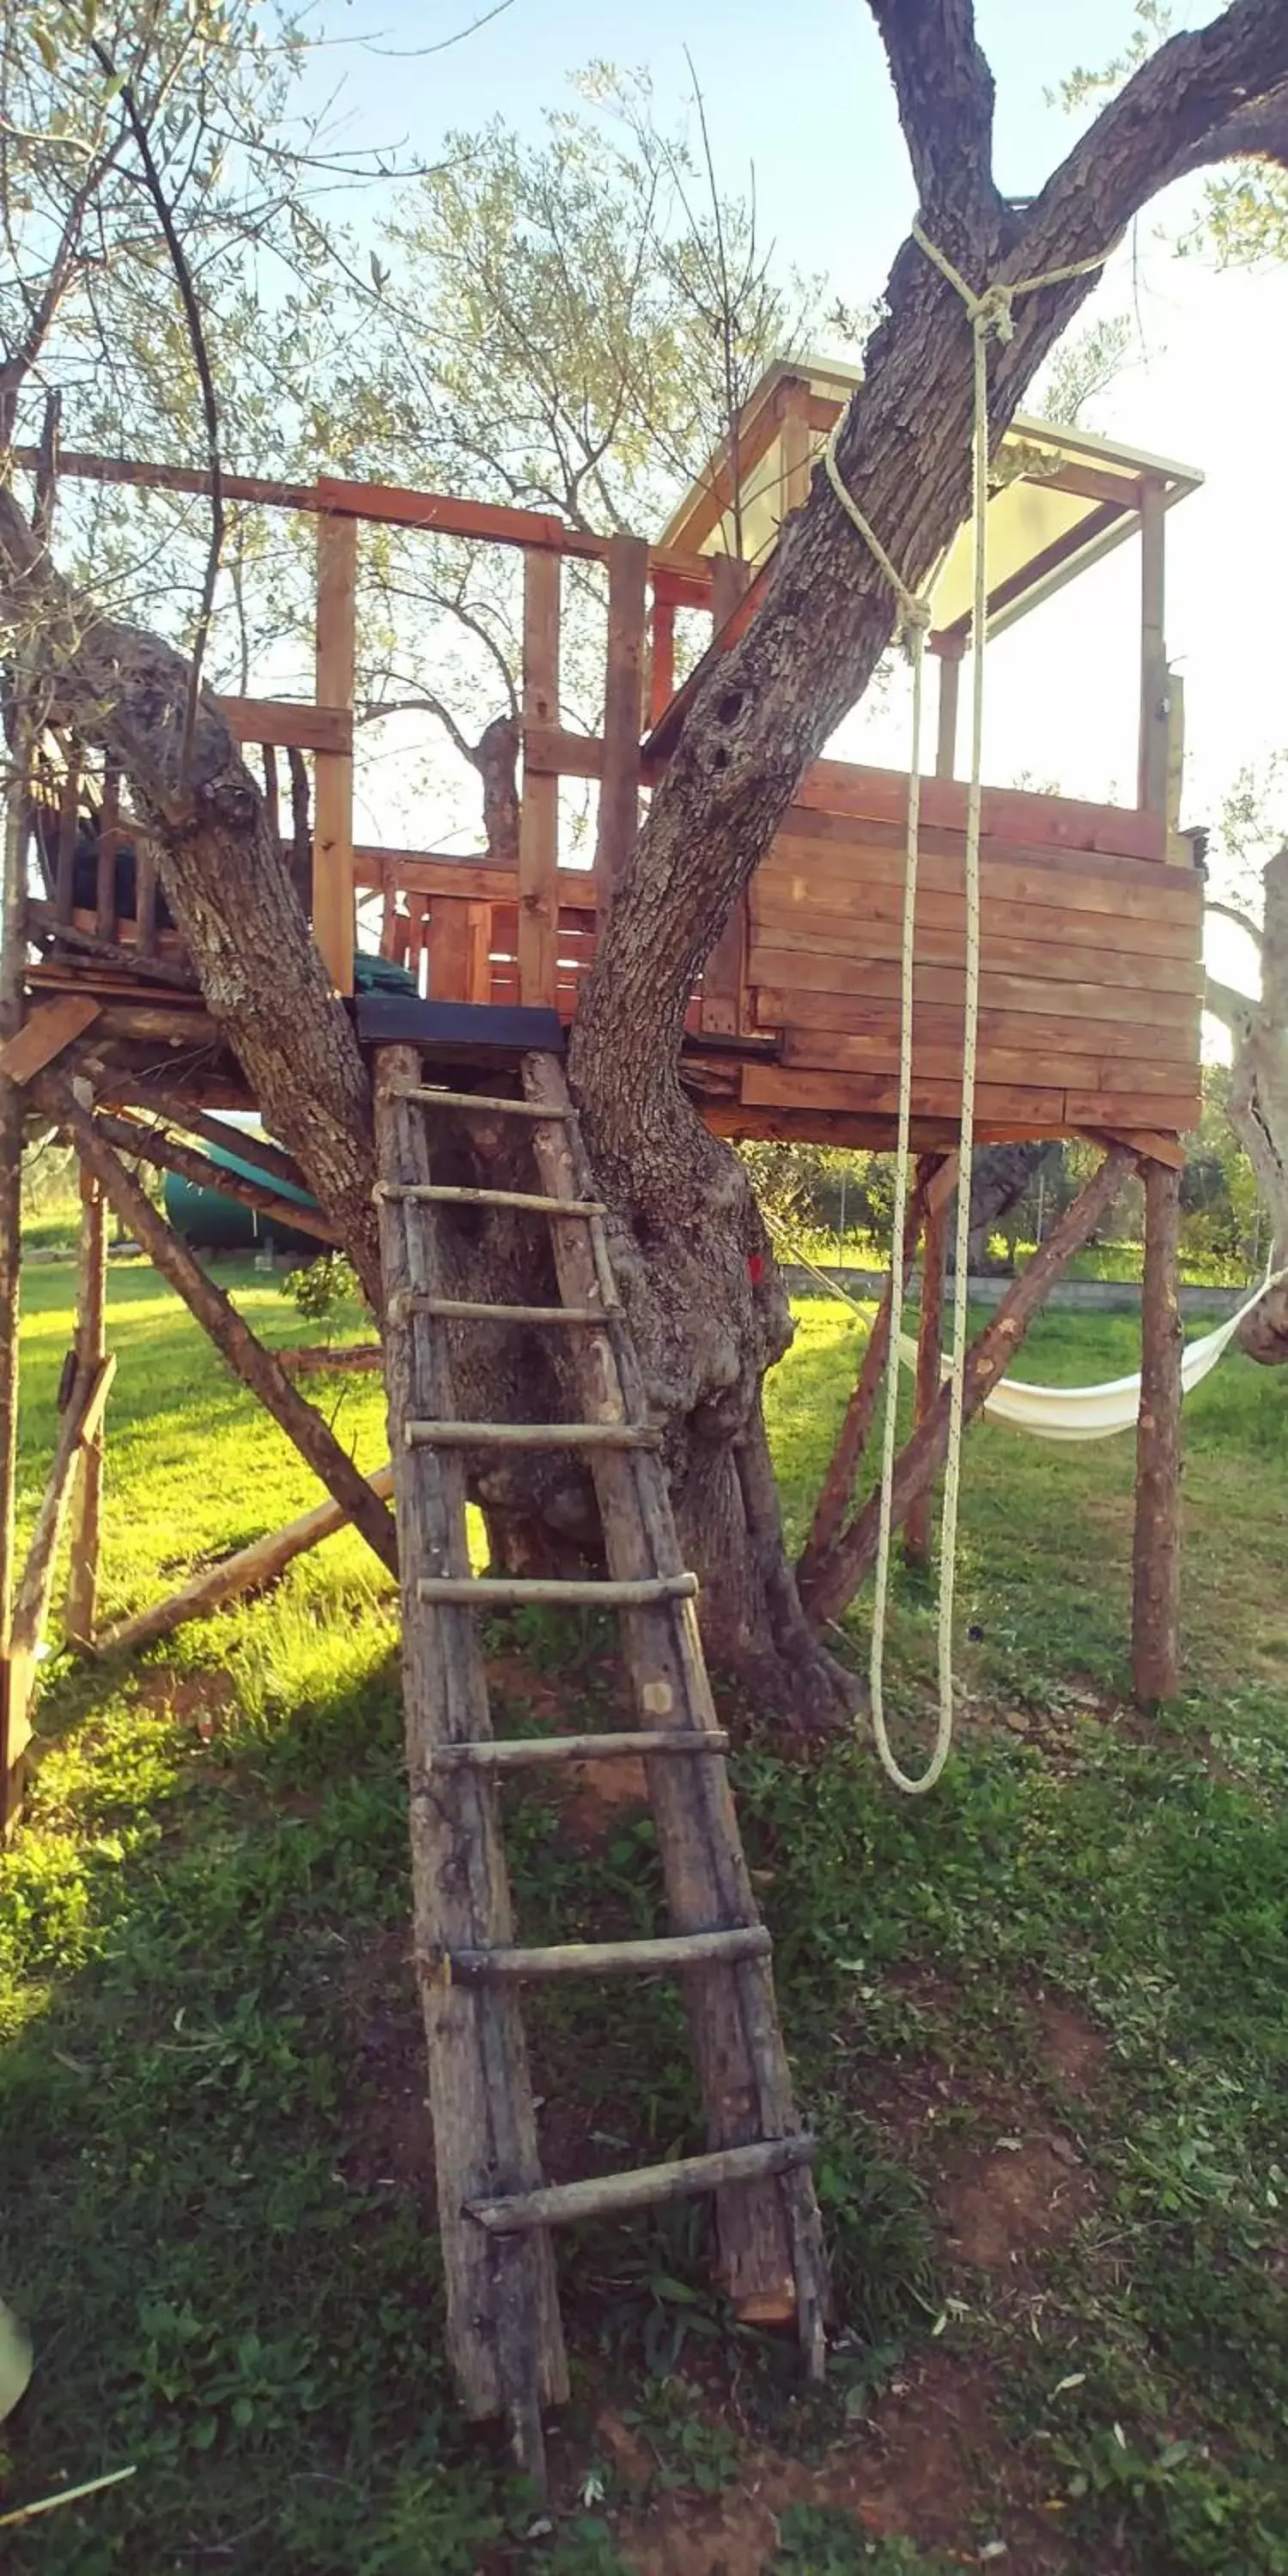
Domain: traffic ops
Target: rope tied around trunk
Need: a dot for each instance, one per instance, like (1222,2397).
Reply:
(989,314)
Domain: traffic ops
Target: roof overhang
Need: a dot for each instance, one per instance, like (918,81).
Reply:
(1062,498)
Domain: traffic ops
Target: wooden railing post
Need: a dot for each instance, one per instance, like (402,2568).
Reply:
(1151,791)
(619,789)
(724,977)
(539,814)
(333,796)
(661,668)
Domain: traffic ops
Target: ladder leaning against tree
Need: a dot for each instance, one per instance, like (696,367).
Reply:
(495,2208)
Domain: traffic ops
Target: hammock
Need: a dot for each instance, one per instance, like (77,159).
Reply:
(1097,1412)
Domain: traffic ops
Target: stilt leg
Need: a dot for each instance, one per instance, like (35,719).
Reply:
(1156,1565)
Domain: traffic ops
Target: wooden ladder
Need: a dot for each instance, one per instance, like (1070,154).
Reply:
(495,2210)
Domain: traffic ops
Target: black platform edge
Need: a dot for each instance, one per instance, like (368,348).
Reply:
(457,1032)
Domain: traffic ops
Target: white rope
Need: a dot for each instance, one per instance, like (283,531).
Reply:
(987,313)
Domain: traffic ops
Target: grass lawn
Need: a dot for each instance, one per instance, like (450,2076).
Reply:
(1038,2021)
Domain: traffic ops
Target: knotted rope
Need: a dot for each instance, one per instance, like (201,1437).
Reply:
(989,314)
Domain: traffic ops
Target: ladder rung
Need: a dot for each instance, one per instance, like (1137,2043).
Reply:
(525,1752)
(557,2202)
(469,1310)
(531,1435)
(516,1592)
(434,1099)
(450,1196)
(611,1958)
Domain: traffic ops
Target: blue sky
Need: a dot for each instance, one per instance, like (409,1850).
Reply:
(801,95)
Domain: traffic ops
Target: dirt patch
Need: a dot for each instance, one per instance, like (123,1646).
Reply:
(198,1700)
(390,2141)
(1073,2051)
(931,2458)
(1005,2207)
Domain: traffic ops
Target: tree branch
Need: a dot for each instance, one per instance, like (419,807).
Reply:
(209,406)
(1231,912)
(945,96)
(1234,1010)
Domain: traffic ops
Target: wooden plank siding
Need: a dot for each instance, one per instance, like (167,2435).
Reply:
(1091,980)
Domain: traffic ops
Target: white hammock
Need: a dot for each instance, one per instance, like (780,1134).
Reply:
(1097,1412)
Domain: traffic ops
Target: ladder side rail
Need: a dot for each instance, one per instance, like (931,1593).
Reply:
(771,2248)
(504,2333)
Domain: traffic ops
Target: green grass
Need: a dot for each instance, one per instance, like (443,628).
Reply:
(216,2217)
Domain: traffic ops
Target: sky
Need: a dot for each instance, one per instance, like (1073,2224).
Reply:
(800,97)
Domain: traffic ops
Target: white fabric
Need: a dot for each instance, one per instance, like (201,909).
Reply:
(1097,1412)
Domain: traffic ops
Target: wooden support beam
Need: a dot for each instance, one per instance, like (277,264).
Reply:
(258,1368)
(834,1583)
(950,674)
(246,1571)
(646,2187)
(935,1181)
(155,1145)
(268,1158)
(619,793)
(333,795)
(539,811)
(930,1347)
(80,1608)
(35,1042)
(298,724)
(1156,1548)
(1151,789)
(109,838)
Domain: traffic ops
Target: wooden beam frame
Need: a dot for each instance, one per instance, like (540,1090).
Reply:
(81,1605)
(828,1587)
(1152,766)
(539,810)
(258,1368)
(333,923)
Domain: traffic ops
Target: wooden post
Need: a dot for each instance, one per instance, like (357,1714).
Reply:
(950,674)
(661,672)
(13,951)
(1151,790)
(1156,1559)
(724,977)
(91,1350)
(539,812)
(106,908)
(333,793)
(619,791)
(1178,849)
(930,1347)
(795,449)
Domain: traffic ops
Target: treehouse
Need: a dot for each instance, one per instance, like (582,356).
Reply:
(1091,913)
(1090,1006)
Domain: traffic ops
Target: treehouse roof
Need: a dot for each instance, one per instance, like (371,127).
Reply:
(1062,497)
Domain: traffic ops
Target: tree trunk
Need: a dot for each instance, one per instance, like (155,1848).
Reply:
(1259,1105)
